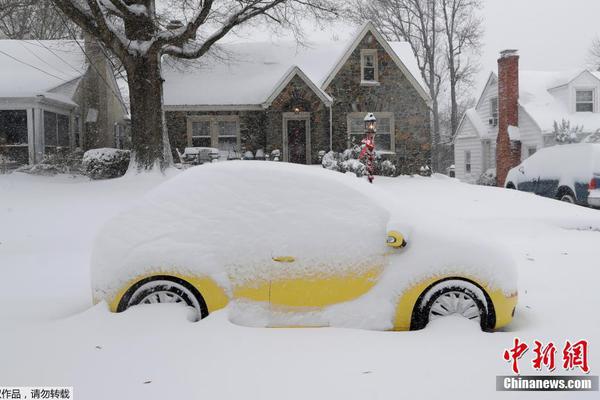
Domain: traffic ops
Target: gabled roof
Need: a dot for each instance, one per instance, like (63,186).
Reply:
(369,27)
(37,67)
(285,80)
(539,101)
(245,74)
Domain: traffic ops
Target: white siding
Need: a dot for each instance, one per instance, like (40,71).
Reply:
(484,105)
(531,135)
(467,141)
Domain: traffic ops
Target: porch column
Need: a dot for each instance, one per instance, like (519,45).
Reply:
(38,128)
(31,135)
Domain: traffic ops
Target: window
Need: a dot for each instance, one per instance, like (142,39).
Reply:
(385,127)
(56,130)
(218,131)
(584,101)
(13,128)
(468,161)
(227,138)
(201,136)
(494,111)
(368,64)
(531,151)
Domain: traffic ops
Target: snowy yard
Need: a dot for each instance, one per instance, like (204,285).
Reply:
(51,335)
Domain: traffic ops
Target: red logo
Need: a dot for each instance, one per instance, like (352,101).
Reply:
(573,355)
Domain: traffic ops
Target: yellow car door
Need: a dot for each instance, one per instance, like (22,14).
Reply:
(299,286)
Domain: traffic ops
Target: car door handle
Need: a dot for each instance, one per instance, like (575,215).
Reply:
(284,259)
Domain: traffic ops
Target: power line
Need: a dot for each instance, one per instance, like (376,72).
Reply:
(33,66)
(88,57)
(59,57)
(36,56)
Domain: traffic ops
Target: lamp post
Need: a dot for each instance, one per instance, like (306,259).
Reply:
(368,148)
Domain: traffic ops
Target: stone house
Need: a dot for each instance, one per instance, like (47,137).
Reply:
(57,95)
(301,100)
(515,115)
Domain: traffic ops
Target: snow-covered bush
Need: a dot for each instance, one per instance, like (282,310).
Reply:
(348,161)
(425,170)
(488,178)
(354,166)
(593,138)
(566,134)
(61,161)
(331,161)
(386,168)
(106,163)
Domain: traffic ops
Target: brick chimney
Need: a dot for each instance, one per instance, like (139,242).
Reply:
(508,153)
(97,132)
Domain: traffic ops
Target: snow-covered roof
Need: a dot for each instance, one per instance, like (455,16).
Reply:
(544,107)
(539,98)
(40,67)
(248,73)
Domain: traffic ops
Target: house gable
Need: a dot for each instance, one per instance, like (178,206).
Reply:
(296,72)
(369,28)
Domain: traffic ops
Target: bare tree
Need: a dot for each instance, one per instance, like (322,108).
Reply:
(595,54)
(416,22)
(31,19)
(139,37)
(462,35)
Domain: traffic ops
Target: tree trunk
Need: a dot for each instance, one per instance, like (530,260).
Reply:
(453,99)
(147,118)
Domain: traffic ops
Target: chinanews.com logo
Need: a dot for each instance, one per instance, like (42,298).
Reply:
(570,357)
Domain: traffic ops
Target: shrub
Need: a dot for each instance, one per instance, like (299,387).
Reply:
(488,178)
(348,161)
(60,161)
(106,163)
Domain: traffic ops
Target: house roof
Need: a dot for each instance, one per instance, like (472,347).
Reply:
(537,100)
(249,73)
(544,107)
(48,67)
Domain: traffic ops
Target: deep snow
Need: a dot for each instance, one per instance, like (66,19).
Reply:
(51,335)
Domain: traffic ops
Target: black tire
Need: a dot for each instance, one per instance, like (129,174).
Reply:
(566,194)
(510,185)
(422,309)
(153,285)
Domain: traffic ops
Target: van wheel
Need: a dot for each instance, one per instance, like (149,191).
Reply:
(164,289)
(565,194)
(510,185)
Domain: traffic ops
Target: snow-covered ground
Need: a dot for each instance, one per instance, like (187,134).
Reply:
(51,335)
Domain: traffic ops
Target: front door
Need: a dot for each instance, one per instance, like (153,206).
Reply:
(296,141)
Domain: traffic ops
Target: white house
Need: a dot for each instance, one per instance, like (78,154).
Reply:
(57,95)
(543,97)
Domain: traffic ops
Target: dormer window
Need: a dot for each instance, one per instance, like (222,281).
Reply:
(368,66)
(584,101)
(494,111)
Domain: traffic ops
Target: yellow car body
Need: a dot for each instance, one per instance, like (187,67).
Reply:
(319,292)
(320,248)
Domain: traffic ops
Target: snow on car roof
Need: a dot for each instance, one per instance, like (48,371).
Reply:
(262,209)
(247,73)
(32,67)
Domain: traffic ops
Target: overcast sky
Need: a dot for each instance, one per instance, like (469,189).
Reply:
(549,34)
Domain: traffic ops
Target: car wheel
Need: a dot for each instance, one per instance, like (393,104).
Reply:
(454,297)
(567,198)
(565,194)
(510,185)
(164,289)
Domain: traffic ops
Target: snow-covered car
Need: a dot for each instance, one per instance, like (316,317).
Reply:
(569,172)
(292,245)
